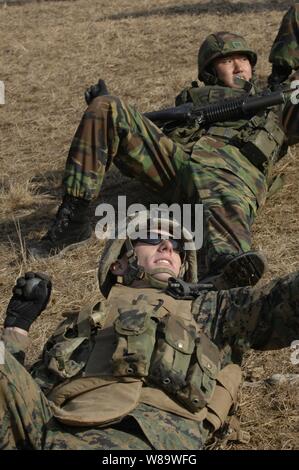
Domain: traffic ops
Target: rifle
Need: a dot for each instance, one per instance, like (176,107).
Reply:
(230,109)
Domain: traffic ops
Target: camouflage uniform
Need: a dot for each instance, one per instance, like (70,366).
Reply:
(190,164)
(284,51)
(235,320)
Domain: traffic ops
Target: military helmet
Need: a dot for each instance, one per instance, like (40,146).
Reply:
(122,243)
(220,45)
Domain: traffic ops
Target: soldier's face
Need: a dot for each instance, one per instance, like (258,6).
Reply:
(150,257)
(232,66)
(162,256)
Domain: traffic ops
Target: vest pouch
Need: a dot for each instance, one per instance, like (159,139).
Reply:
(136,335)
(68,357)
(225,395)
(171,358)
(201,376)
(261,145)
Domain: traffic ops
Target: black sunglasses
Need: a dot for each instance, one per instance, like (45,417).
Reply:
(156,239)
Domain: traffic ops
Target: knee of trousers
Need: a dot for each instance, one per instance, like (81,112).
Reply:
(104,102)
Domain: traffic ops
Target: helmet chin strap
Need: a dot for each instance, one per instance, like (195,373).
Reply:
(134,271)
(157,283)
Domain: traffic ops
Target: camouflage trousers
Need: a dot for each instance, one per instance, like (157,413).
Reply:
(28,422)
(215,174)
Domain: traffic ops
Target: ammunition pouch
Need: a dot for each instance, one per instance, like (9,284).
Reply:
(150,351)
(201,375)
(68,350)
(261,143)
(260,139)
(184,364)
(171,358)
(64,353)
(167,352)
(136,335)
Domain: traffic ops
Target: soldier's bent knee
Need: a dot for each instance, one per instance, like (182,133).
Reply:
(105,101)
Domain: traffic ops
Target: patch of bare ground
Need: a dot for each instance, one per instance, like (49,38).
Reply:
(146,51)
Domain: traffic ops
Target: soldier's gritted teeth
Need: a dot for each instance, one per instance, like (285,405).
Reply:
(231,66)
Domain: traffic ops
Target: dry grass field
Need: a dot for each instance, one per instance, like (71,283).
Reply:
(146,51)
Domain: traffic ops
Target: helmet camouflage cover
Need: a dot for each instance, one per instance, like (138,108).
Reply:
(116,247)
(220,45)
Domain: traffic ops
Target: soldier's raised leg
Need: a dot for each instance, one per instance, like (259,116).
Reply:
(231,191)
(110,132)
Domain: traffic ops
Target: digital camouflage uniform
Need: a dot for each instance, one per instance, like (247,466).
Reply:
(208,166)
(235,320)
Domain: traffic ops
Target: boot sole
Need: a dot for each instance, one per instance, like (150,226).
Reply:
(242,271)
(246,269)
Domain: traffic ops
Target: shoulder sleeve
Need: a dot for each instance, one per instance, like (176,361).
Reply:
(260,318)
(16,343)
(183,97)
(194,94)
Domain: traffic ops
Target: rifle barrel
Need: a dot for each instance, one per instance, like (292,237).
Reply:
(178,113)
(255,103)
(227,110)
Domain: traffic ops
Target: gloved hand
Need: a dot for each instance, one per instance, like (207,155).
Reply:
(31,295)
(278,75)
(93,91)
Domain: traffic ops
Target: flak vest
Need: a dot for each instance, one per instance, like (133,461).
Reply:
(261,139)
(139,346)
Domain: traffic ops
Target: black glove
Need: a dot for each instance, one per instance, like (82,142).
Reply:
(31,295)
(278,75)
(92,92)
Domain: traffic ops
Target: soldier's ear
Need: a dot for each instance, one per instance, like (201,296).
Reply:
(119,267)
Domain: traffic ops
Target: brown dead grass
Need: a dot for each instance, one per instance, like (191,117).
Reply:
(146,51)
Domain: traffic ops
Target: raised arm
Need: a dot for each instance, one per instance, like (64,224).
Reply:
(31,295)
(260,318)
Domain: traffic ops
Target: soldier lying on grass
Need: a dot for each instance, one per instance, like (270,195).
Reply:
(155,365)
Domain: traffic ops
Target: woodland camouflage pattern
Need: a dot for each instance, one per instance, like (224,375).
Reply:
(217,174)
(285,50)
(237,319)
(262,318)
(111,132)
(187,166)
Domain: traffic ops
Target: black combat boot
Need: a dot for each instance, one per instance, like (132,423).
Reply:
(70,228)
(241,270)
